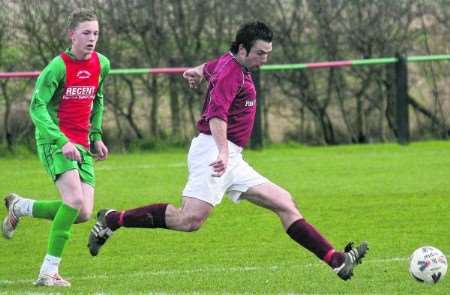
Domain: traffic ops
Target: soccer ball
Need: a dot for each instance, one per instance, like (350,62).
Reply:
(428,264)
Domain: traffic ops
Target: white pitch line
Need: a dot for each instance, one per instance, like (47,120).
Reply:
(201,270)
(143,166)
(106,168)
(205,293)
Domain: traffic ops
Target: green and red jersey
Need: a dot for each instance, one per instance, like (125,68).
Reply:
(67,103)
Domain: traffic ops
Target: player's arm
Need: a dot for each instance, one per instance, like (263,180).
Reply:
(218,129)
(95,134)
(221,97)
(46,86)
(194,76)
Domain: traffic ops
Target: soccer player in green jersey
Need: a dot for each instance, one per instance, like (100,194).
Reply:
(66,109)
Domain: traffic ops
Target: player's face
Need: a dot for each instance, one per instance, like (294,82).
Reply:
(257,56)
(84,38)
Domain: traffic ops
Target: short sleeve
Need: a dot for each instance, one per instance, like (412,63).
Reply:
(224,90)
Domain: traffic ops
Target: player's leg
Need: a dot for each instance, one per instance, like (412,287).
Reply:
(87,176)
(70,189)
(275,198)
(47,209)
(54,163)
(18,206)
(87,205)
(77,197)
(201,193)
(76,187)
(189,217)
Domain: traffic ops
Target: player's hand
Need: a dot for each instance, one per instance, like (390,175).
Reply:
(70,151)
(219,165)
(101,151)
(193,76)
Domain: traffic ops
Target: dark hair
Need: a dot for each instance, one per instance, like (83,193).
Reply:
(248,34)
(79,16)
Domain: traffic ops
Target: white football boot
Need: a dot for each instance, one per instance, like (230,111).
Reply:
(11,220)
(54,280)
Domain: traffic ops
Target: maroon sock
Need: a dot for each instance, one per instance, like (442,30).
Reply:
(150,216)
(337,258)
(306,235)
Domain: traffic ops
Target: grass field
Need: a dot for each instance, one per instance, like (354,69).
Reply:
(395,197)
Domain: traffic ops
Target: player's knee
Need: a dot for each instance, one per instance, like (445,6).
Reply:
(193,223)
(75,202)
(287,204)
(84,216)
(62,234)
(194,226)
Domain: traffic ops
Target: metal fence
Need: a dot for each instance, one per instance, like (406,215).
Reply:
(395,85)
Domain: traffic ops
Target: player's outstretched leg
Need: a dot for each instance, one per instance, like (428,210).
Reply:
(100,232)
(310,238)
(108,221)
(353,257)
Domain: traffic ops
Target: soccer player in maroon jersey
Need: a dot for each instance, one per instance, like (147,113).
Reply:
(215,160)
(67,109)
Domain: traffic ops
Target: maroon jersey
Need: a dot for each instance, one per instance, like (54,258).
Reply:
(231,97)
(80,89)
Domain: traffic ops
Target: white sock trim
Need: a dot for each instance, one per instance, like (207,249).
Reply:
(24,207)
(50,266)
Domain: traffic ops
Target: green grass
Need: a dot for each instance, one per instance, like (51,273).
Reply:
(395,197)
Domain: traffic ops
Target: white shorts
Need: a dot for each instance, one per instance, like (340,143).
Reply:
(237,179)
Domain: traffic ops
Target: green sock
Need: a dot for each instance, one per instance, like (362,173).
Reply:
(46,209)
(60,230)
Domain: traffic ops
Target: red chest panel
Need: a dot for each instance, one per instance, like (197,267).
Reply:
(80,89)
